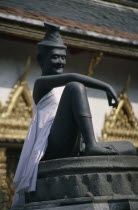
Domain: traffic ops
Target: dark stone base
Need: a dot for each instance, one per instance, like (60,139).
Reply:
(96,183)
(82,204)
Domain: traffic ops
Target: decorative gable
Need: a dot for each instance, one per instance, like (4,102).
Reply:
(16,115)
(121,124)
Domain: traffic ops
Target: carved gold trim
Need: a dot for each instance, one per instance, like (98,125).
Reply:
(121,124)
(16,115)
(94,61)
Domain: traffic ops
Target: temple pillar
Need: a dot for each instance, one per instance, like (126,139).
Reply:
(3,181)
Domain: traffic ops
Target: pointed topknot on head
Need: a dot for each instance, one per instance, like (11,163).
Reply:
(52,37)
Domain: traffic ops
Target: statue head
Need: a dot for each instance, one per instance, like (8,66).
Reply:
(51,51)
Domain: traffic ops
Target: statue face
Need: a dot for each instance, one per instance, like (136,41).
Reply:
(53,63)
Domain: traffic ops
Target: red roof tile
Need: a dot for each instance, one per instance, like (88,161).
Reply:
(68,23)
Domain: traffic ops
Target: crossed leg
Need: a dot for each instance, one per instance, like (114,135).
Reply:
(73,116)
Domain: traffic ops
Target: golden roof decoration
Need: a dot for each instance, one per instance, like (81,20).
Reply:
(16,115)
(121,124)
(94,61)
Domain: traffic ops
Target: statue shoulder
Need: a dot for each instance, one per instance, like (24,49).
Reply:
(39,91)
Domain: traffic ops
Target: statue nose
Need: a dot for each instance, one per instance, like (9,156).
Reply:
(60,60)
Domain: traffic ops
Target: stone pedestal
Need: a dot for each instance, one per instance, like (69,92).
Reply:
(96,183)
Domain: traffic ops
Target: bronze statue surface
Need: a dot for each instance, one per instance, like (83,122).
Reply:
(63,141)
(61,114)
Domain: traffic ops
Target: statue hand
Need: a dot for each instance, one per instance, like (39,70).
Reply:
(112,98)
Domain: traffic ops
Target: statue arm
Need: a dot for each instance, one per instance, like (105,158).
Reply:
(50,82)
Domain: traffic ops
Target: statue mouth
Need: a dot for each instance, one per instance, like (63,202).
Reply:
(59,66)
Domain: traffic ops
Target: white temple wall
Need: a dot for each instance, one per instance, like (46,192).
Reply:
(114,71)
(13,57)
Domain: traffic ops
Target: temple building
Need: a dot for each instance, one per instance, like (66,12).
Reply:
(102,41)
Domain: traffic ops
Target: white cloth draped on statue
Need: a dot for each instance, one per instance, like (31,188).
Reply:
(35,144)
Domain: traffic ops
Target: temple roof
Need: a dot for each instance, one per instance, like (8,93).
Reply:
(98,19)
(93,12)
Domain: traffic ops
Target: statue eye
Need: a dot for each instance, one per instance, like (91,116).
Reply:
(55,56)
